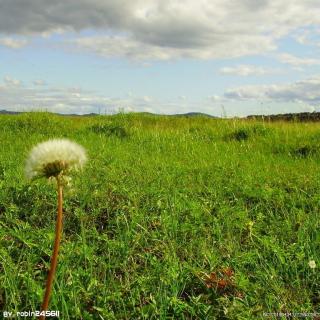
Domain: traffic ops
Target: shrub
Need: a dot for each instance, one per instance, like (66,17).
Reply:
(110,130)
(240,134)
(305,150)
(245,133)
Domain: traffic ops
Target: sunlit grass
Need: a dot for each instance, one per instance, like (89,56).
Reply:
(164,202)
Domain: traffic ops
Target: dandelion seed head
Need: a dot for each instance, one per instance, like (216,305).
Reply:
(54,158)
(312,264)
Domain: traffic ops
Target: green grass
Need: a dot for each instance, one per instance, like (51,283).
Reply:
(162,202)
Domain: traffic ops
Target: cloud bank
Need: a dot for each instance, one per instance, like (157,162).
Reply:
(305,91)
(162,29)
(17,96)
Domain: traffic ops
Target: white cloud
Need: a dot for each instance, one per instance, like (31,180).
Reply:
(133,49)
(305,91)
(163,29)
(147,99)
(14,96)
(246,70)
(39,82)
(308,36)
(297,61)
(11,82)
(13,43)
(18,97)
(216,98)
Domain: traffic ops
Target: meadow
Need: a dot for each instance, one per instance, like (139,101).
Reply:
(172,218)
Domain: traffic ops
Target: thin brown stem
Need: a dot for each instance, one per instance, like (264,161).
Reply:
(54,258)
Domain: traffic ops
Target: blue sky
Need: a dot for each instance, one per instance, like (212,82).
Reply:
(244,57)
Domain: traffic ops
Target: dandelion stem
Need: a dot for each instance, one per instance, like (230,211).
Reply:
(54,258)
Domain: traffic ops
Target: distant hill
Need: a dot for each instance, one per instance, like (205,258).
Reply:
(302,116)
(189,114)
(59,114)
(9,112)
(193,114)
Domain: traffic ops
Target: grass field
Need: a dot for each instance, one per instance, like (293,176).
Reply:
(172,218)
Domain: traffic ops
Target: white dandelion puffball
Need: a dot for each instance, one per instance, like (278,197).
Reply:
(53,158)
(312,264)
